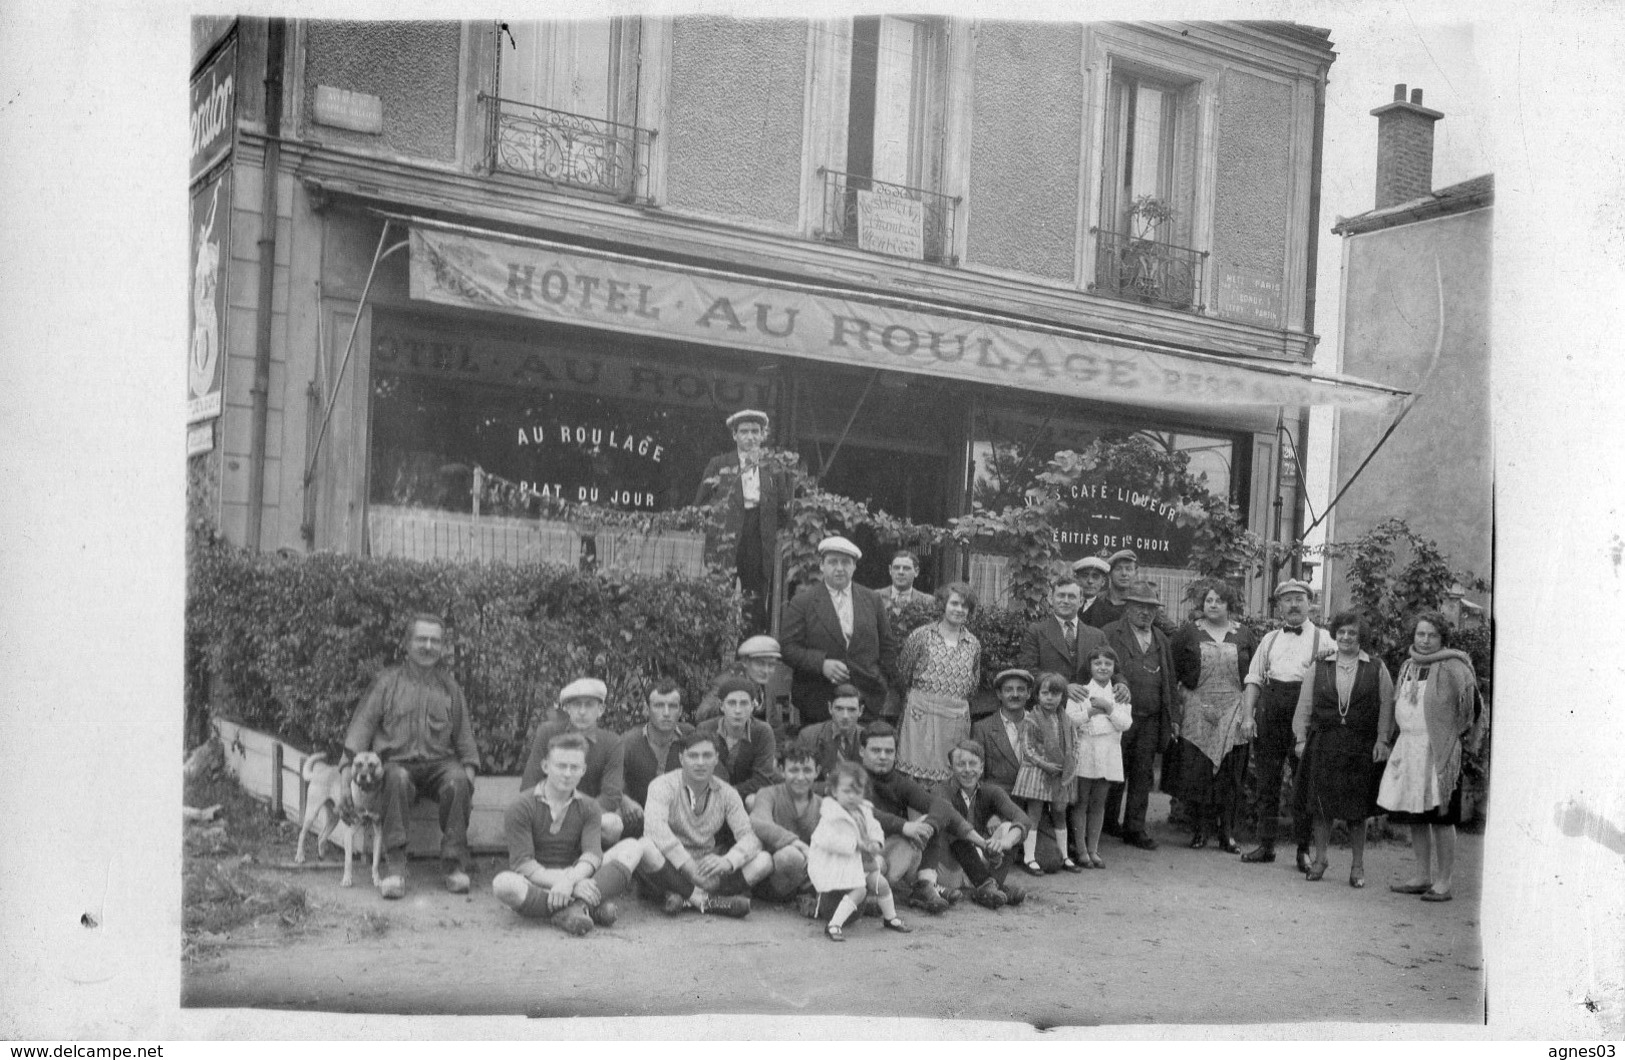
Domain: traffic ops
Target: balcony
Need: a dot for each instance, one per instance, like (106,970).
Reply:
(1147,271)
(570,150)
(885,218)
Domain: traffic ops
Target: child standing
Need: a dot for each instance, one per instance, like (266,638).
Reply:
(1098,721)
(845,853)
(1045,780)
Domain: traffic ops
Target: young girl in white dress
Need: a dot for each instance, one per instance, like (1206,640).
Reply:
(1098,723)
(844,862)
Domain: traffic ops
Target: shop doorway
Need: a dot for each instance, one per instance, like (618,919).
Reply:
(909,485)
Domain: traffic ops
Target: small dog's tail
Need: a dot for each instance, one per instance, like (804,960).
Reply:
(307,770)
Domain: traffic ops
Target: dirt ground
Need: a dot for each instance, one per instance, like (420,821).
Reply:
(1172,936)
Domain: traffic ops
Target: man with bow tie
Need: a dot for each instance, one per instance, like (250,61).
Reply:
(754,501)
(1268,701)
(837,633)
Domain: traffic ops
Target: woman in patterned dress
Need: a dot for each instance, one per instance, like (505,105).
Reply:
(1435,716)
(1211,656)
(940,666)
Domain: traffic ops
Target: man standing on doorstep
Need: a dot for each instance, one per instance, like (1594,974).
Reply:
(1269,699)
(754,502)
(1148,666)
(415,717)
(643,753)
(681,856)
(837,633)
(582,702)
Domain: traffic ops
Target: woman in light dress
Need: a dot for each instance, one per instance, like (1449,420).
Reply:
(1435,718)
(940,665)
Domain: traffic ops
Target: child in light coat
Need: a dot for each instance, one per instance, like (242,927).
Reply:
(844,863)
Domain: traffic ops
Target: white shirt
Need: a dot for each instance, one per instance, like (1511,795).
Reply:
(1286,656)
(842,599)
(1012,731)
(750,480)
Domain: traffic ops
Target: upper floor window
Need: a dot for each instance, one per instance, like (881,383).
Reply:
(1148,190)
(566,104)
(887,198)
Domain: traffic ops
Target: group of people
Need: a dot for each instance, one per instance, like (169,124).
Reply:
(889,794)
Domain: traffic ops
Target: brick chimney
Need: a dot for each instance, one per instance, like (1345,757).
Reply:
(1404,148)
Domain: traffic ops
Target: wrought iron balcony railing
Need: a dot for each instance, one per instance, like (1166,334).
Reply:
(1159,273)
(925,231)
(568,149)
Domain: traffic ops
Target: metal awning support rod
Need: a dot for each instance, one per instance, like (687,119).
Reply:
(349,347)
(850,420)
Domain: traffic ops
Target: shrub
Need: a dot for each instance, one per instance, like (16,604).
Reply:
(290,644)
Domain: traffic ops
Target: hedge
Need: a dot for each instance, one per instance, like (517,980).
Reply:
(288,644)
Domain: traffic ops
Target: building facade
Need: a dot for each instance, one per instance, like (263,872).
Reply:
(519,260)
(1416,298)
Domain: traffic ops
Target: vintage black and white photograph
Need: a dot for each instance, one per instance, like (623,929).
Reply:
(981,523)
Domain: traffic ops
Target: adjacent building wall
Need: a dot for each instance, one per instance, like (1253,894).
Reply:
(1026,137)
(1436,471)
(733,142)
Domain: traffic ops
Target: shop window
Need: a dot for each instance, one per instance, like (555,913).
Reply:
(887,199)
(1145,229)
(565,109)
(477,434)
(1114,507)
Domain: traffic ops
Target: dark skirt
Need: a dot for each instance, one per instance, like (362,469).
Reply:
(1449,813)
(1189,775)
(1337,778)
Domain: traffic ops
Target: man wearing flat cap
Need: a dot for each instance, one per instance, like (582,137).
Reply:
(1268,700)
(1091,573)
(582,702)
(758,660)
(1123,571)
(837,633)
(1146,661)
(754,499)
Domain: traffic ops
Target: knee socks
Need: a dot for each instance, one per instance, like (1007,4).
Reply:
(1060,838)
(888,907)
(611,879)
(844,911)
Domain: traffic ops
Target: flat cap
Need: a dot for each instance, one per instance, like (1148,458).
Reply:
(1013,672)
(1120,555)
(584,688)
(841,545)
(1091,563)
(747,416)
(1293,585)
(759,645)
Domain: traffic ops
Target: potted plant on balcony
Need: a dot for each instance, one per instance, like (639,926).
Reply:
(1144,259)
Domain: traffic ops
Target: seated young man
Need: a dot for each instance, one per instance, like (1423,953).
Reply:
(912,846)
(992,814)
(746,749)
(681,857)
(841,737)
(555,861)
(582,701)
(643,753)
(784,817)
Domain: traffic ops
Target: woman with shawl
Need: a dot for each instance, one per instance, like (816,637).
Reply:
(1434,716)
(1211,656)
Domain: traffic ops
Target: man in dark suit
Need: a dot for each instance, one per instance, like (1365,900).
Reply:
(1060,643)
(836,633)
(1000,732)
(1146,661)
(755,501)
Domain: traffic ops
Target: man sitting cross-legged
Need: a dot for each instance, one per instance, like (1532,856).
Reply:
(554,850)
(680,855)
(784,816)
(993,815)
(912,846)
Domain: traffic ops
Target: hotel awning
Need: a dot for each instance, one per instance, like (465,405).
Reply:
(474,268)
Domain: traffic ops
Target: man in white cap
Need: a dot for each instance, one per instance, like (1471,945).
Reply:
(837,633)
(754,498)
(582,701)
(1091,572)
(1271,695)
(758,659)
(1123,567)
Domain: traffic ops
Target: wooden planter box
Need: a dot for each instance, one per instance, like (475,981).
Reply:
(269,770)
